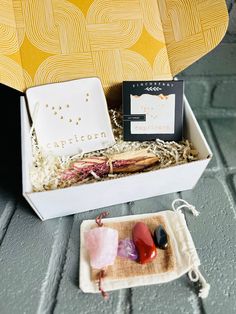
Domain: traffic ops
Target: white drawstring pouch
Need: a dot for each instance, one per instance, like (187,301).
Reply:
(180,258)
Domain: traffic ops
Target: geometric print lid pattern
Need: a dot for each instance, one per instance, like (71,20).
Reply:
(45,41)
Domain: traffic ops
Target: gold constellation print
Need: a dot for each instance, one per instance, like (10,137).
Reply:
(59,109)
(78,120)
(87,97)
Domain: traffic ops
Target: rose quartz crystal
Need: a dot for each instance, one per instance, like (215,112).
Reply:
(102,245)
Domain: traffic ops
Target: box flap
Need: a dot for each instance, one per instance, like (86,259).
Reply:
(45,41)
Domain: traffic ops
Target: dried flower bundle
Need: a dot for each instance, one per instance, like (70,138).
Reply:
(100,166)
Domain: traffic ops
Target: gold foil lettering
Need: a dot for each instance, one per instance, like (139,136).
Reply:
(75,139)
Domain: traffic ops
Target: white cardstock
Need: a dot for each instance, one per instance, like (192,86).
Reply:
(70,117)
(159,111)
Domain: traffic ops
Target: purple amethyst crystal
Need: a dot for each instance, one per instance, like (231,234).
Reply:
(126,249)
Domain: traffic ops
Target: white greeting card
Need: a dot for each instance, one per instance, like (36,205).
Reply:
(70,117)
(159,111)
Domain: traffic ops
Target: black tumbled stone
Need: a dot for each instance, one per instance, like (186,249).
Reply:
(160,238)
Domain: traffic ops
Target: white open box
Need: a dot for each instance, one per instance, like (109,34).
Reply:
(66,41)
(76,199)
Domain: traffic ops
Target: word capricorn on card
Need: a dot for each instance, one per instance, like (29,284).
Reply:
(76,139)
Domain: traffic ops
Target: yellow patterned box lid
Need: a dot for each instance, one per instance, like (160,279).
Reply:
(44,41)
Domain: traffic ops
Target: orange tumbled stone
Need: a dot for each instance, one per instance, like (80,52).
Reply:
(144,243)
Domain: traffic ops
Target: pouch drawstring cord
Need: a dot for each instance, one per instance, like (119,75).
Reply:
(194,274)
(184,205)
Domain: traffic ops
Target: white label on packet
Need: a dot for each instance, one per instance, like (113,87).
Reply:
(70,117)
(159,111)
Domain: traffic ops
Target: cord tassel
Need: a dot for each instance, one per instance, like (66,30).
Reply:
(205,287)
(204,291)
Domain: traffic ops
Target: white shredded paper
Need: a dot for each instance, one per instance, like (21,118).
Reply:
(46,170)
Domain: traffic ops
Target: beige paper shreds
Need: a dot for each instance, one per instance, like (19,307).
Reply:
(46,171)
(125,268)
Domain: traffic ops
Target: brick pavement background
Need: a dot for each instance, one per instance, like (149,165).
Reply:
(39,262)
